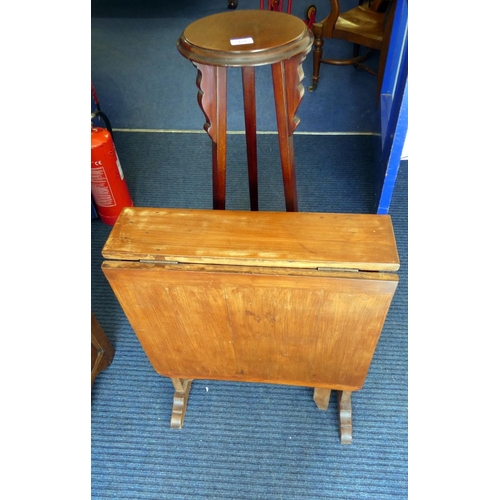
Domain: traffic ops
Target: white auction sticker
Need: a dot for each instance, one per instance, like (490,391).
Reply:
(241,41)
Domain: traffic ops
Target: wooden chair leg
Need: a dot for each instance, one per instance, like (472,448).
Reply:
(212,98)
(317,55)
(355,50)
(182,387)
(248,77)
(385,49)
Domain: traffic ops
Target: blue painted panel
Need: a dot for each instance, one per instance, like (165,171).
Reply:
(393,111)
(394,153)
(394,54)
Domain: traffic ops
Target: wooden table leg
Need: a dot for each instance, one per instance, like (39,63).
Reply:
(345,416)
(288,92)
(102,352)
(212,98)
(322,397)
(182,387)
(248,77)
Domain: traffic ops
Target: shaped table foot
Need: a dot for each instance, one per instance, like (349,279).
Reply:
(322,397)
(182,387)
(345,416)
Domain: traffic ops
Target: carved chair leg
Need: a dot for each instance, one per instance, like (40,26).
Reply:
(355,50)
(317,55)
(182,387)
(345,416)
(322,397)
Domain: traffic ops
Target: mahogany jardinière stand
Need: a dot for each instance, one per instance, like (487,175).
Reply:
(272,297)
(249,38)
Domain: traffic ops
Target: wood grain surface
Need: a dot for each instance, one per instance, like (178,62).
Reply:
(275,239)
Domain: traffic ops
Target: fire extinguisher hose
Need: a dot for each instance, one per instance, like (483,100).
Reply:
(99,114)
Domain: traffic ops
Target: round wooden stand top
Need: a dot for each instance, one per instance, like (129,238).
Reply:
(245,38)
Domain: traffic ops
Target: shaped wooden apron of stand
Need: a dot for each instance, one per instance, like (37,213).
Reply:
(272,297)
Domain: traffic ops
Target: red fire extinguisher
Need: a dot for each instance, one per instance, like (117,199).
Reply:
(109,189)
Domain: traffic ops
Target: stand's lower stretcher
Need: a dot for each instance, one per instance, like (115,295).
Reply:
(273,297)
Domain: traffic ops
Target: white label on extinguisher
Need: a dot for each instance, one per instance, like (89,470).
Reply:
(118,164)
(100,188)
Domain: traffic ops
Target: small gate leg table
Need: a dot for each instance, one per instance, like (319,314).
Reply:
(249,38)
(268,297)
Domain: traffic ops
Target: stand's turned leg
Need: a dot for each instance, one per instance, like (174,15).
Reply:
(322,398)
(182,387)
(288,92)
(212,98)
(248,77)
(345,416)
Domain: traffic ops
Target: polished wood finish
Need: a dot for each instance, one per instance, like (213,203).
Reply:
(247,39)
(101,351)
(368,25)
(248,81)
(276,36)
(255,296)
(212,82)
